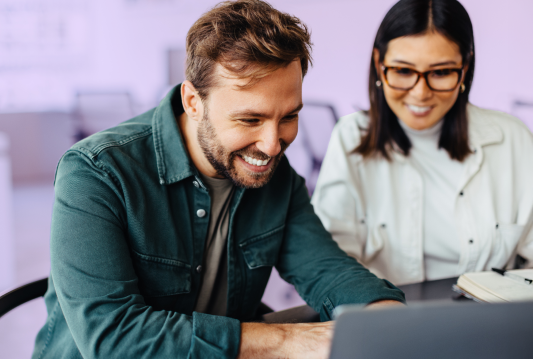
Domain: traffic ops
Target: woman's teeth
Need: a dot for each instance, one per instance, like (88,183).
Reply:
(418,109)
(255,161)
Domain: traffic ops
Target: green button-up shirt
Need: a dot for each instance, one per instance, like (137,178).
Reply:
(127,240)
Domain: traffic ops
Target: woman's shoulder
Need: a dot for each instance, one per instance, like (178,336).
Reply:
(481,119)
(349,129)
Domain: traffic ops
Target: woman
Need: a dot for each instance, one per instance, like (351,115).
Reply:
(424,185)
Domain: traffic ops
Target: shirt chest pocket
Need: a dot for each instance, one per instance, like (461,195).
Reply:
(263,250)
(159,277)
(260,253)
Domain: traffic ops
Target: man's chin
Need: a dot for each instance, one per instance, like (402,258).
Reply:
(251,181)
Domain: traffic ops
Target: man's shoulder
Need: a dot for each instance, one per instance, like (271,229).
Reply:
(118,139)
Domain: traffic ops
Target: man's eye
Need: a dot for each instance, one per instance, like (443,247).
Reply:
(250,121)
(290,118)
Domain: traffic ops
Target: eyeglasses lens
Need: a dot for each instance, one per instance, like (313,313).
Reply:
(440,80)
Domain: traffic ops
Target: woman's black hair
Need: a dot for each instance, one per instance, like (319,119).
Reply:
(415,17)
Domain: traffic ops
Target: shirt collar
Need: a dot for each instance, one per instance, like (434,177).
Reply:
(482,130)
(173,161)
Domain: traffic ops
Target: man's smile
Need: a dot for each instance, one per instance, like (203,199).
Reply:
(254,164)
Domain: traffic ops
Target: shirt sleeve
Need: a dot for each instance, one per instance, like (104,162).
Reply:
(323,274)
(337,200)
(96,283)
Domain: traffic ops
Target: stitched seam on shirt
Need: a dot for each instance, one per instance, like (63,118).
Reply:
(108,173)
(51,326)
(329,306)
(98,149)
(165,261)
(158,146)
(262,236)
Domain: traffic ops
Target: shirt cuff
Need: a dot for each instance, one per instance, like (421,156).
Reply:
(214,336)
(377,289)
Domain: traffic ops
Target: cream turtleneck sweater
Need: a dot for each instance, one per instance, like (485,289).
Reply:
(440,176)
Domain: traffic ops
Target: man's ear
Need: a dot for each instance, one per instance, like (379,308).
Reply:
(375,55)
(192,103)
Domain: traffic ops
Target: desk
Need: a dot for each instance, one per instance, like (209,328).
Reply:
(436,290)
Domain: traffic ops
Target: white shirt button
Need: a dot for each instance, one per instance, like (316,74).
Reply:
(200,213)
(195,183)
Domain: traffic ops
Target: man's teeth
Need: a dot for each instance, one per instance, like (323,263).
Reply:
(419,109)
(255,161)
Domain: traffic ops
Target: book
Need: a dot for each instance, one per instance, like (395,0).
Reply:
(492,287)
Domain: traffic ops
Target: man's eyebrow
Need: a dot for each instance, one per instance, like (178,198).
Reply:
(296,109)
(254,114)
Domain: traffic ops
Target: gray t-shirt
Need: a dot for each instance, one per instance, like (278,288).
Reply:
(213,291)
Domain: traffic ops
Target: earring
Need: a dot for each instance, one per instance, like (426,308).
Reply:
(378,83)
(463,87)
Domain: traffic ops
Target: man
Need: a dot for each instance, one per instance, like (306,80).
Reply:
(166,227)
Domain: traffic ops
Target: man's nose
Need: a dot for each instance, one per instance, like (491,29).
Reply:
(269,141)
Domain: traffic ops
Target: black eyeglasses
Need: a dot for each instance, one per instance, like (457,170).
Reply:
(403,78)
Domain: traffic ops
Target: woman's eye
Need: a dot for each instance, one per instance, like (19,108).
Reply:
(441,73)
(403,71)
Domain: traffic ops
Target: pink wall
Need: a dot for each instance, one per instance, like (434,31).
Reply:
(52,51)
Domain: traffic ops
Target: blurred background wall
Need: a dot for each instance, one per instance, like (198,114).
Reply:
(69,68)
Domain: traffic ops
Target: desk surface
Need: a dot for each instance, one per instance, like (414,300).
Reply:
(440,290)
(437,290)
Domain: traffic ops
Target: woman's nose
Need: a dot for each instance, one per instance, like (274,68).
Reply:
(421,91)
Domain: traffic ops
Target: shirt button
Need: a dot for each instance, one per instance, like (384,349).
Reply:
(195,183)
(200,213)
(461,193)
(471,241)
(199,269)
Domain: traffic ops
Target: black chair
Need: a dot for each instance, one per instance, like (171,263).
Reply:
(13,298)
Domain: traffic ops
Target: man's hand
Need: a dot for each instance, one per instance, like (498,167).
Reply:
(305,340)
(291,341)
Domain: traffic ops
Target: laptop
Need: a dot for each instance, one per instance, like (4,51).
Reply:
(435,330)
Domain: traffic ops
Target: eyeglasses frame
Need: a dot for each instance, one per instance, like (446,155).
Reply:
(424,74)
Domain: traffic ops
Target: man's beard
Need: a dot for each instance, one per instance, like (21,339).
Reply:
(224,162)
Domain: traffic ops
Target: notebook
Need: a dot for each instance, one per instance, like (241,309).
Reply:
(492,287)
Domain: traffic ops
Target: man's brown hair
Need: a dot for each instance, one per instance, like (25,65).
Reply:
(247,37)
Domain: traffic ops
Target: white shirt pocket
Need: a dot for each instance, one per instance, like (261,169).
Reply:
(375,242)
(506,237)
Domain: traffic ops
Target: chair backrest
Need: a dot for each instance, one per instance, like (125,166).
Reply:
(13,298)
(307,151)
(98,111)
(524,111)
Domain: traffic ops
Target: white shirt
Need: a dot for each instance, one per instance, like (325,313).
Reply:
(440,182)
(375,208)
